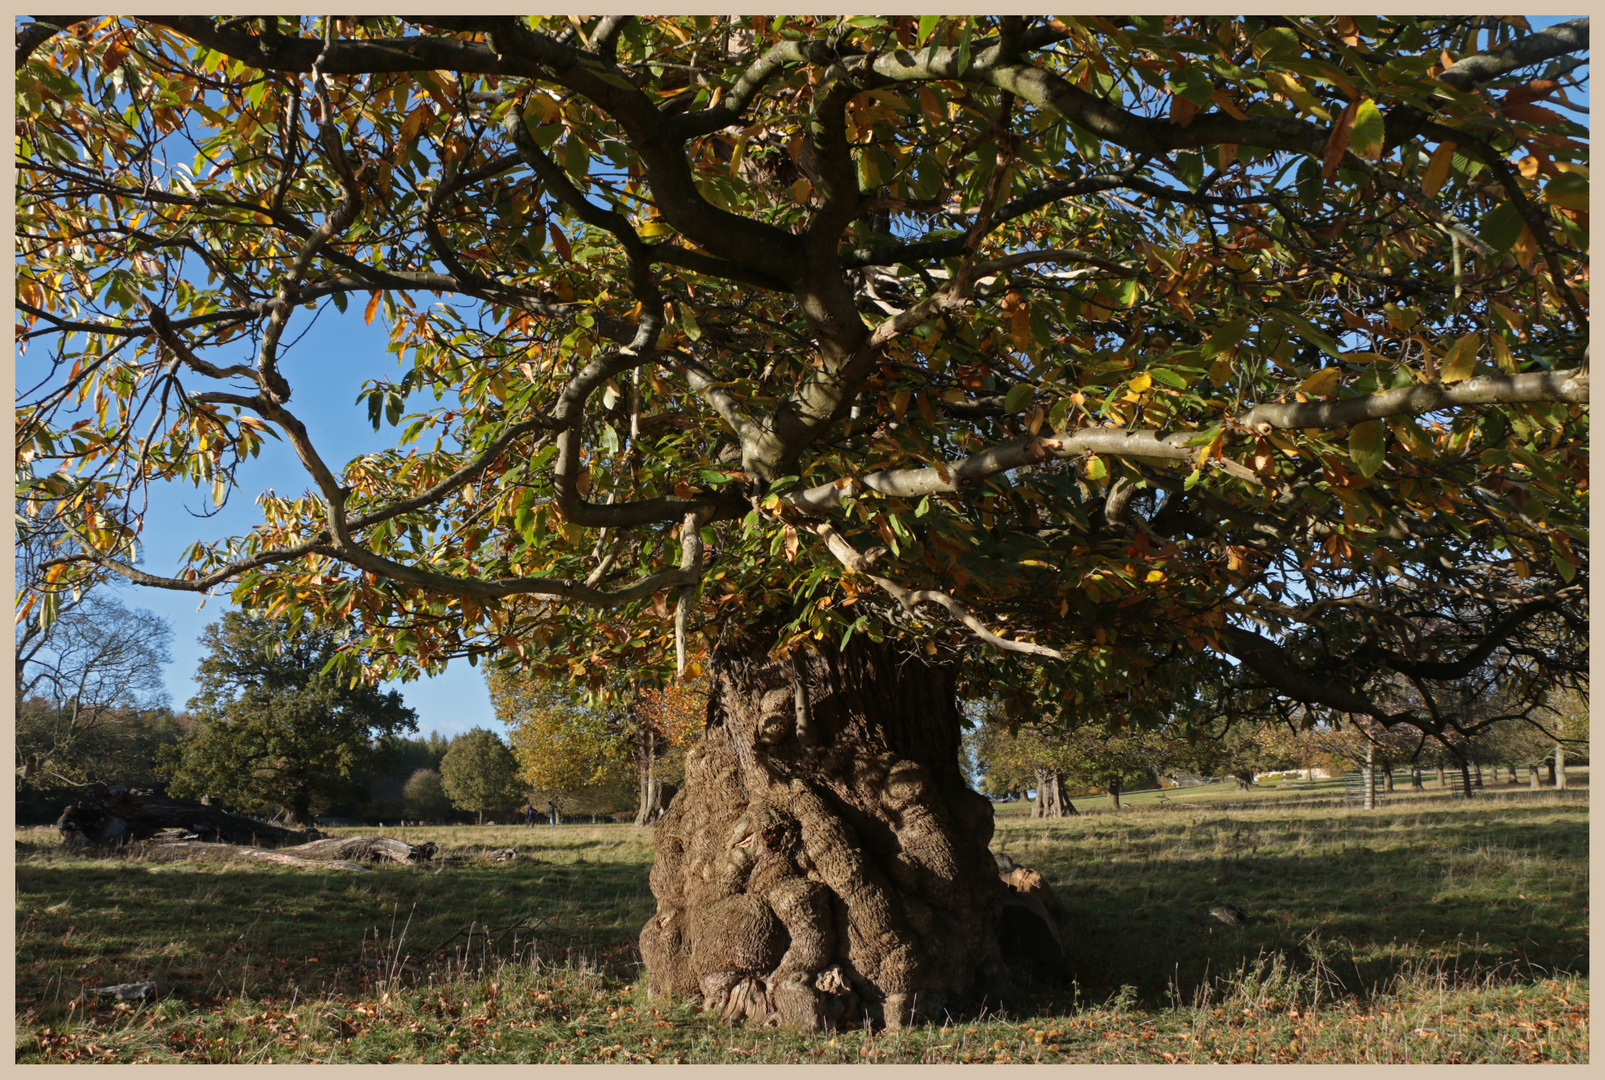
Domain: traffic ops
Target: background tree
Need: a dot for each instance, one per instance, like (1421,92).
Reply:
(426,797)
(887,358)
(1240,749)
(275,726)
(396,759)
(89,684)
(668,722)
(480,774)
(594,755)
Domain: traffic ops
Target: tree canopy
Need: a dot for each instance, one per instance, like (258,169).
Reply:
(1084,344)
(274,725)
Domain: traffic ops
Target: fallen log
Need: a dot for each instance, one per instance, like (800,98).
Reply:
(340,853)
(115,814)
(200,849)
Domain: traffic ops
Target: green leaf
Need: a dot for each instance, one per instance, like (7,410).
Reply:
(1018,397)
(1194,84)
(1311,333)
(688,323)
(1096,468)
(1368,445)
(1190,169)
(1226,336)
(964,46)
(1367,136)
(1501,228)
(927,24)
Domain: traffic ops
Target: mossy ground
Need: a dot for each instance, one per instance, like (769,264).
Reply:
(1430,930)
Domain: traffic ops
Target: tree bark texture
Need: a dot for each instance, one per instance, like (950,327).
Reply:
(826,864)
(114,814)
(1560,767)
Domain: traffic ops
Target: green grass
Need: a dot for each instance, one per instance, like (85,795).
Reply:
(1428,930)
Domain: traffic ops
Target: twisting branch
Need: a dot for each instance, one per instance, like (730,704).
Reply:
(910,599)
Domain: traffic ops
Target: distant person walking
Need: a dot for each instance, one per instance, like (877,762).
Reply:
(551,810)
(529,815)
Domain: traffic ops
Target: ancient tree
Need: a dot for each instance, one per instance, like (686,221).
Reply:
(859,363)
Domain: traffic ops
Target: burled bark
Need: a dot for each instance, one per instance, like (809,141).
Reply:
(825,863)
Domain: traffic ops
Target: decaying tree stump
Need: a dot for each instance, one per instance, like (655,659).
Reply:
(114,814)
(825,863)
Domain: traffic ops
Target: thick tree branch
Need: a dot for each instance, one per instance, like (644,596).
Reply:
(1549,386)
(1551,42)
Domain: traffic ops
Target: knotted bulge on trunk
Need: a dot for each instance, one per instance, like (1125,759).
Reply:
(826,863)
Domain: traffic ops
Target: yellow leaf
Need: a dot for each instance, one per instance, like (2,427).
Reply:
(1461,359)
(1290,88)
(1437,169)
(1323,382)
(541,109)
(1142,382)
(1512,319)
(1507,362)
(373,308)
(801,189)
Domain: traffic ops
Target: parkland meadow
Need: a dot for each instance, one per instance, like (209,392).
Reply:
(1429,930)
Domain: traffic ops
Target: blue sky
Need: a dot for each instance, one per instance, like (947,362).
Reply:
(325,369)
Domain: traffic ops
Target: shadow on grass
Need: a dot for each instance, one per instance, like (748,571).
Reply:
(1367,897)
(1479,890)
(209,931)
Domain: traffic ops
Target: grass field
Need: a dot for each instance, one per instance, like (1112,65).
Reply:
(1430,930)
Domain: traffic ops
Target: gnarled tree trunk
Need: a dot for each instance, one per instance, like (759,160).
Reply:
(1051,800)
(656,795)
(825,863)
